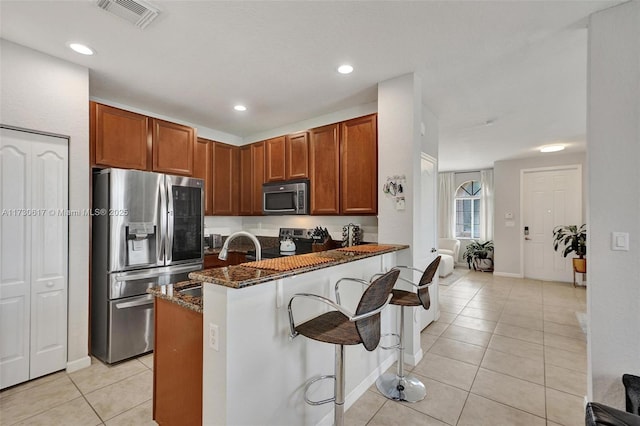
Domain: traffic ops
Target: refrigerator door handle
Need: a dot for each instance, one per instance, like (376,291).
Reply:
(170,218)
(125,305)
(163,222)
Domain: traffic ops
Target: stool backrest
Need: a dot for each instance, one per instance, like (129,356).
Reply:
(373,297)
(427,277)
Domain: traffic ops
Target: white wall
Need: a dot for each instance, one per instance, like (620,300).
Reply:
(613,144)
(44,93)
(506,180)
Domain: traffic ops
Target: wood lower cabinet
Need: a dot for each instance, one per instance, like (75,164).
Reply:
(177,365)
(324,170)
(225,185)
(119,138)
(202,158)
(359,166)
(274,163)
(173,146)
(297,156)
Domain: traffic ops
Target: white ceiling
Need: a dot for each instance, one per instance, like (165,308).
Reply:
(519,64)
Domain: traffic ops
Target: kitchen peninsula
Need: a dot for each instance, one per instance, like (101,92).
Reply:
(253,373)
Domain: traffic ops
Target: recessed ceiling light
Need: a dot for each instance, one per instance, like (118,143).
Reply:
(81,48)
(345,69)
(552,148)
(240,108)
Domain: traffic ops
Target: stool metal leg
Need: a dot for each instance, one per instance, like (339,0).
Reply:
(398,386)
(338,416)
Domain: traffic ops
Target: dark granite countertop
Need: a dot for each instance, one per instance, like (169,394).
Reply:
(171,293)
(242,276)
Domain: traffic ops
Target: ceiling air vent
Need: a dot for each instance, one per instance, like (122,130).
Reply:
(138,12)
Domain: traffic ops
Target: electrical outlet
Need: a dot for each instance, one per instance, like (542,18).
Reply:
(214,337)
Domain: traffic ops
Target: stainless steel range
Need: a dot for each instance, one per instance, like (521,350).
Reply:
(297,238)
(147,230)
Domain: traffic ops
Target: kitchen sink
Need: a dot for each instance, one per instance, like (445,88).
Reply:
(192,291)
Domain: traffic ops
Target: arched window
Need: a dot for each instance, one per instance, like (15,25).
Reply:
(468,210)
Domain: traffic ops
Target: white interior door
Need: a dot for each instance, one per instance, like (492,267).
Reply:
(49,255)
(33,255)
(15,253)
(426,240)
(549,198)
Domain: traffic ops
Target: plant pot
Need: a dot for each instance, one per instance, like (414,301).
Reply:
(484,265)
(580,265)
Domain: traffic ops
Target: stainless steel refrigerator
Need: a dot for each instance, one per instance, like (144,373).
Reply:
(147,230)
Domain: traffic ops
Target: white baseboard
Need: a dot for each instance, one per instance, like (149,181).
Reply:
(360,389)
(413,359)
(507,274)
(78,364)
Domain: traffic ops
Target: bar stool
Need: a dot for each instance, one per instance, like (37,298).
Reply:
(341,327)
(401,387)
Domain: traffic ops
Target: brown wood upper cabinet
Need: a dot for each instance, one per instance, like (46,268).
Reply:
(128,140)
(359,166)
(287,157)
(119,138)
(202,159)
(173,146)
(252,176)
(324,169)
(275,155)
(297,156)
(225,185)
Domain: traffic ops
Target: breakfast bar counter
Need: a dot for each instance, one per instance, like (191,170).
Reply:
(253,373)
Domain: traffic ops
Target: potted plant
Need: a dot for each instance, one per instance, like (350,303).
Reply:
(574,240)
(478,255)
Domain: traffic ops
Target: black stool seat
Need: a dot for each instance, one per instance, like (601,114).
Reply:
(602,415)
(332,327)
(405,298)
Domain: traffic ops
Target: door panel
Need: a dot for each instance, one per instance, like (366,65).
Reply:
(549,198)
(423,246)
(15,250)
(324,161)
(34,255)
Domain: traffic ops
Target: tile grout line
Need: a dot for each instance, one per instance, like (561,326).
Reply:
(86,400)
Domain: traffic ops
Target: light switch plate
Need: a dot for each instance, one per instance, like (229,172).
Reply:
(400,203)
(620,241)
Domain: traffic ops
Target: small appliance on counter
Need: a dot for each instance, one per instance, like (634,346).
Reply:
(322,240)
(351,235)
(292,241)
(287,245)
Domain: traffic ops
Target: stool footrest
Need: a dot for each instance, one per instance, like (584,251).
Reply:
(324,401)
(395,346)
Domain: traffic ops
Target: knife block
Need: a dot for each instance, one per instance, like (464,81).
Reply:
(327,244)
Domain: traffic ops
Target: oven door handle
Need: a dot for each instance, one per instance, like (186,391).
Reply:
(125,305)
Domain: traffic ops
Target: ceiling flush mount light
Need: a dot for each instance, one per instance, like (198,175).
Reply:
(345,69)
(240,108)
(552,148)
(81,48)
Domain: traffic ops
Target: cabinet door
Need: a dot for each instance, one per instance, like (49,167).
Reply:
(258,176)
(202,157)
(275,154)
(224,171)
(246,181)
(119,138)
(297,155)
(324,160)
(173,147)
(358,166)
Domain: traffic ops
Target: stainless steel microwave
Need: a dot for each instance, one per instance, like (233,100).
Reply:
(282,198)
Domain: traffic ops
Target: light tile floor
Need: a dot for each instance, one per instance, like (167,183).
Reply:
(99,395)
(504,352)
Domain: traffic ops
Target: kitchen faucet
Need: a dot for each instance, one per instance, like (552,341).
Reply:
(225,247)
